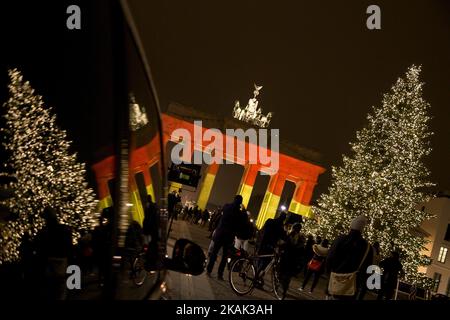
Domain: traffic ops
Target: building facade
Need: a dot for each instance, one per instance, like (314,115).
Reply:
(438,233)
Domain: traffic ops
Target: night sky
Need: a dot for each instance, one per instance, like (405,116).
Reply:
(321,68)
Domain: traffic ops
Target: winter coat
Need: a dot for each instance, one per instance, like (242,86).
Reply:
(391,269)
(271,233)
(229,223)
(346,253)
(151,221)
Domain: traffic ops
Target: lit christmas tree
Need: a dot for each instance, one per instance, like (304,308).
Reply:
(47,173)
(384,178)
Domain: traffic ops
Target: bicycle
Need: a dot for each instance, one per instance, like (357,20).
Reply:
(136,259)
(243,275)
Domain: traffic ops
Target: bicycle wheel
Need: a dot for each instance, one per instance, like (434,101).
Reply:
(139,272)
(277,284)
(242,275)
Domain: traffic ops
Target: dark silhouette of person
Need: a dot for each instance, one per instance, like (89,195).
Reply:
(292,251)
(215,221)
(102,245)
(151,232)
(55,249)
(364,276)
(271,233)
(392,268)
(172,200)
(224,235)
(205,217)
(245,231)
(320,254)
(196,215)
(347,252)
(149,225)
(33,268)
(134,236)
(309,253)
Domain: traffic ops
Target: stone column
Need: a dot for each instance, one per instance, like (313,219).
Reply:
(207,184)
(148,182)
(271,200)
(302,197)
(247,183)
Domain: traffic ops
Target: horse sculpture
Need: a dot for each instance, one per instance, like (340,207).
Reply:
(251,113)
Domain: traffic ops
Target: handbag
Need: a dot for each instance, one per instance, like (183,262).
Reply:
(344,284)
(315,265)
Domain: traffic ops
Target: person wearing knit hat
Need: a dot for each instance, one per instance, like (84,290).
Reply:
(351,253)
(359,223)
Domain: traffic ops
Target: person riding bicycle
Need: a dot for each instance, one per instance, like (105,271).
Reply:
(271,233)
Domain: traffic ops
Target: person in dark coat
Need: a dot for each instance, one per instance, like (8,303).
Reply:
(215,221)
(150,225)
(292,252)
(134,238)
(102,245)
(205,217)
(320,254)
(271,233)
(151,232)
(309,253)
(392,268)
(224,235)
(196,215)
(55,247)
(172,200)
(347,253)
(365,276)
(245,231)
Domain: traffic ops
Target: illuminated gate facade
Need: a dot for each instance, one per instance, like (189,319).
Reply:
(296,164)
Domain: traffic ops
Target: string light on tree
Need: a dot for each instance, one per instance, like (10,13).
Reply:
(47,173)
(384,178)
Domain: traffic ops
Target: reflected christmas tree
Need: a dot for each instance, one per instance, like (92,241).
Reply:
(47,173)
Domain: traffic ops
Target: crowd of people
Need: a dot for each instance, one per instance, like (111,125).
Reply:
(42,270)
(45,258)
(344,261)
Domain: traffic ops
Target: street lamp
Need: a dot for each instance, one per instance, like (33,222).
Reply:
(283,208)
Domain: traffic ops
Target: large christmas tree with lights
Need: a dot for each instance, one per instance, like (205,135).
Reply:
(385,178)
(47,173)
